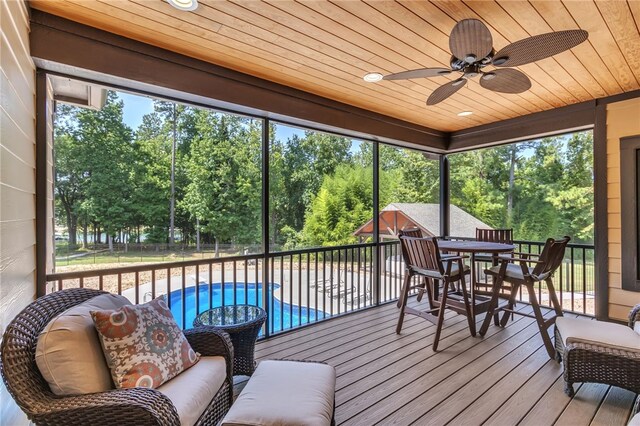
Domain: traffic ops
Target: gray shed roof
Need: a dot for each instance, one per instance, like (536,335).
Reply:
(427,216)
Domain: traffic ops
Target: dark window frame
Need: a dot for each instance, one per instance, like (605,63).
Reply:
(630,211)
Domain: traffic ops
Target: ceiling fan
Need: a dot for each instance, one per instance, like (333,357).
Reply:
(472,50)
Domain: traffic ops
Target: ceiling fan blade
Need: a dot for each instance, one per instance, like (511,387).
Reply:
(506,81)
(419,73)
(470,37)
(446,90)
(538,47)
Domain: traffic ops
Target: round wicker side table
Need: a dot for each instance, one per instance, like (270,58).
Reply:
(243,323)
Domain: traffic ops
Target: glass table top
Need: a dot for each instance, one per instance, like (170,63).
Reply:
(229,316)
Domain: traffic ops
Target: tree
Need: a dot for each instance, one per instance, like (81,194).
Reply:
(108,140)
(93,165)
(71,177)
(224,166)
(343,203)
(151,180)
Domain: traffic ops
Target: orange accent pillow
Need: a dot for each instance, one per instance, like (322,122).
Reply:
(143,345)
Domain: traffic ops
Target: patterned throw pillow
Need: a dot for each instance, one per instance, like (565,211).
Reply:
(143,345)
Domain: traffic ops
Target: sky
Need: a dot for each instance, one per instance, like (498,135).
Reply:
(135,107)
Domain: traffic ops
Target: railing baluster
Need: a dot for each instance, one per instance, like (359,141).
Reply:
(169,288)
(246,279)
(270,294)
(584,281)
(81,282)
(300,289)
(223,284)
(324,285)
(352,286)
(358,275)
(153,283)
(197,311)
(210,285)
(316,288)
(184,298)
(281,293)
(101,282)
(257,285)
(235,283)
(572,281)
(120,283)
(331,282)
(290,291)
(308,288)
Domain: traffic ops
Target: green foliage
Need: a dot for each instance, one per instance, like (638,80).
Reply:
(321,187)
(343,203)
(551,189)
(224,169)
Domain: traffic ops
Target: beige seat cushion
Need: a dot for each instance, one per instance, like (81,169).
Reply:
(192,390)
(514,270)
(600,332)
(69,354)
(286,393)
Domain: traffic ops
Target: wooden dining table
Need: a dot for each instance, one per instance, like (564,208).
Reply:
(472,247)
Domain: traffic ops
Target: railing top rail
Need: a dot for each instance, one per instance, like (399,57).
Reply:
(195,262)
(150,266)
(320,249)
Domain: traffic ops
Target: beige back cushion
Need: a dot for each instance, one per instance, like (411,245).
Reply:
(69,354)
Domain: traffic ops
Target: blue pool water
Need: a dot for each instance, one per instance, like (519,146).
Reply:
(283,316)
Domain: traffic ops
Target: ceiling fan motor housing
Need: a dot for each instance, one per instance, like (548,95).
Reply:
(458,64)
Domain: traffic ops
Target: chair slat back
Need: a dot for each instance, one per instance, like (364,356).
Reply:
(504,236)
(551,257)
(420,252)
(411,232)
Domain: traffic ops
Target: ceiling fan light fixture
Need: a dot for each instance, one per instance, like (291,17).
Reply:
(470,58)
(465,113)
(488,76)
(501,60)
(458,82)
(372,77)
(184,5)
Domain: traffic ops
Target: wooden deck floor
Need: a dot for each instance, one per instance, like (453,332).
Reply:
(505,378)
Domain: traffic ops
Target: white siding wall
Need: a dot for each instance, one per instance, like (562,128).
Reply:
(17,176)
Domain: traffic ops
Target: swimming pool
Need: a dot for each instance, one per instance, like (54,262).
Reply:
(283,316)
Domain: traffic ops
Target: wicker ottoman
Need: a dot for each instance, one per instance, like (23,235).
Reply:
(286,393)
(599,352)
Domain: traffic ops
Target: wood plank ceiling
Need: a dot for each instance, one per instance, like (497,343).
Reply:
(325,47)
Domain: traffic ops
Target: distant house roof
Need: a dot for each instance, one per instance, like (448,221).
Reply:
(397,216)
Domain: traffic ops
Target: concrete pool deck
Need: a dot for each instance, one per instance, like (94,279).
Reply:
(294,288)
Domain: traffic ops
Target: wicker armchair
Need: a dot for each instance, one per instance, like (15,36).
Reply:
(600,363)
(137,406)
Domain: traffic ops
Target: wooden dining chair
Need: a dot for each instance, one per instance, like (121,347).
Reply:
(422,285)
(504,236)
(518,272)
(423,259)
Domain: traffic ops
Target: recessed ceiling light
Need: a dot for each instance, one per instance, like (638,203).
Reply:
(372,77)
(186,5)
(465,113)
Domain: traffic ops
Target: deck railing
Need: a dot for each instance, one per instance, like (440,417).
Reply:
(303,286)
(574,281)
